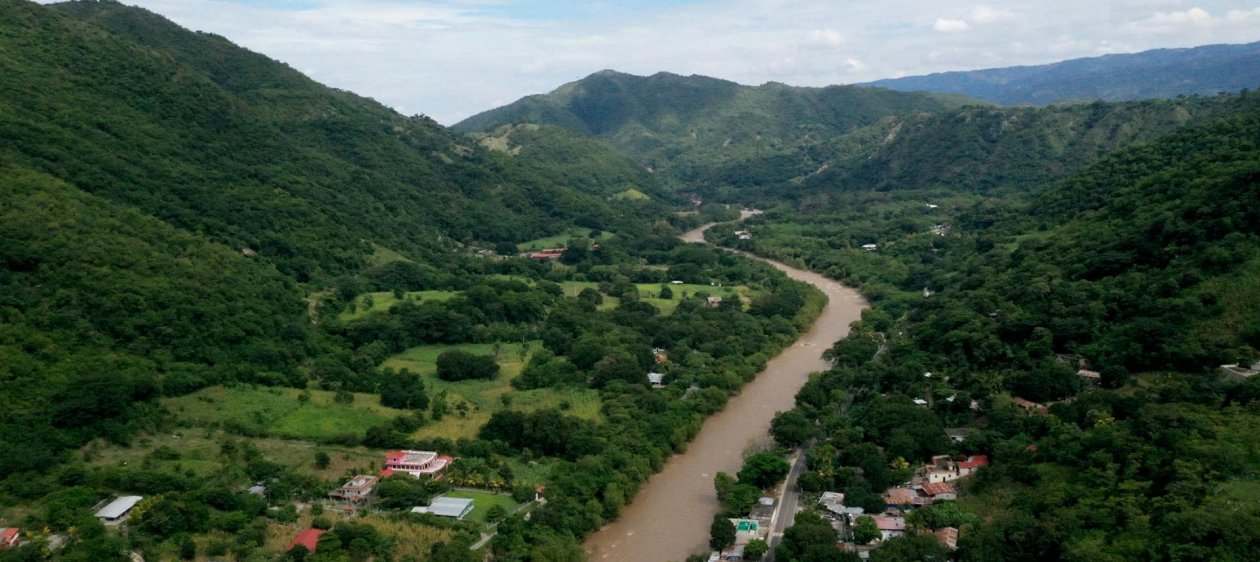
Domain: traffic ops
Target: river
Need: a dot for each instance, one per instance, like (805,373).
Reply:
(669,518)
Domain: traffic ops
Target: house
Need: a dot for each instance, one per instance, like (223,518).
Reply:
(442,506)
(948,536)
(1091,376)
(356,489)
(939,491)
(257,490)
(833,502)
(1029,406)
(9,536)
(660,355)
(308,539)
(869,247)
(890,527)
(116,511)
(748,529)
(762,512)
(958,434)
(973,463)
(415,463)
(715,301)
(902,499)
(547,254)
(1238,372)
(675,282)
(920,402)
(657,380)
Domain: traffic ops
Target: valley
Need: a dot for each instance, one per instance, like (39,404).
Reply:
(248,317)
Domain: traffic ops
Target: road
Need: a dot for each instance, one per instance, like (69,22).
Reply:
(789,500)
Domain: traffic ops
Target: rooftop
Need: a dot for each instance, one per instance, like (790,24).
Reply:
(410,457)
(308,538)
(119,507)
(938,488)
(887,523)
(444,506)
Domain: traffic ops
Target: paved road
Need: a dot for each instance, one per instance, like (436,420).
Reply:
(789,500)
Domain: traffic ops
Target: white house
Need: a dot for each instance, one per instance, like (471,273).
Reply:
(116,511)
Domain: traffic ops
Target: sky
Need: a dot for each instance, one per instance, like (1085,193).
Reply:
(450,59)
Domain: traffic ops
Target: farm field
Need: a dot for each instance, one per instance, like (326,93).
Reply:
(471,403)
(482,502)
(279,412)
(382,301)
(560,240)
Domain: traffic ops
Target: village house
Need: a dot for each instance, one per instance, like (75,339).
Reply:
(1091,376)
(116,511)
(763,511)
(958,434)
(942,468)
(890,527)
(902,499)
(1239,372)
(870,247)
(308,539)
(715,301)
(443,506)
(939,491)
(1029,406)
(948,536)
(356,489)
(743,234)
(660,355)
(833,503)
(415,463)
(972,464)
(9,536)
(657,380)
(547,254)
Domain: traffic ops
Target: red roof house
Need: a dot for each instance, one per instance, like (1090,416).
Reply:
(940,491)
(9,536)
(308,538)
(948,536)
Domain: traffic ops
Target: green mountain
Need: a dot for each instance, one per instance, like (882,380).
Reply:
(251,153)
(697,132)
(986,149)
(1142,267)
(170,199)
(1159,73)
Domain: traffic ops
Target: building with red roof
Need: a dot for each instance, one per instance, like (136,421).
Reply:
(308,538)
(9,536)
(948,536)
(937,491)
(415,463)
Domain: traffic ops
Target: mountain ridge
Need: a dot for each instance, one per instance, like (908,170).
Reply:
(1154,73)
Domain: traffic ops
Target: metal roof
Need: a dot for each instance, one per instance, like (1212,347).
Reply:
(447,507)
(119,507)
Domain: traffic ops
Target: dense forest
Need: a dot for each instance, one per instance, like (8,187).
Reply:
(1140,267)
(698,133)
(228,289)
(219,275)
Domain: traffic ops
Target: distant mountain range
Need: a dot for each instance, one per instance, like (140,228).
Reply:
(695,131)
(1159,73)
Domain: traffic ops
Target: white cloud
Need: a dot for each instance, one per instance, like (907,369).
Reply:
(945,25)
(824,38)
(452,58)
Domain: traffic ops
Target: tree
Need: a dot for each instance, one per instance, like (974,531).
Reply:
(456,365)
(322,460)
(865,530)
(721,533)
(755,549)
(791,428)
(666,292)
(764,470)
(403,390)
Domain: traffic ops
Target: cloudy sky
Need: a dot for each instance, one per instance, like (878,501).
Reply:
(452,58)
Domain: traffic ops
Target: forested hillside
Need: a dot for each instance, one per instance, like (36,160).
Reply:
(1137,269)
(697,132)
(227,288)
(1154,74)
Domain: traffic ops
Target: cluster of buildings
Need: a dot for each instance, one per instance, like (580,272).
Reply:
(415,463)
(756,526)
(932,482)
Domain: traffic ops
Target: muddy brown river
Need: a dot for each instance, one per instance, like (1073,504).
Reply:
(669,518)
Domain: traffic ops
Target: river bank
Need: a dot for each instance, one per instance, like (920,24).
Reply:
(669,518)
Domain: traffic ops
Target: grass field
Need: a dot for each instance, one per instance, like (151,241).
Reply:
(482,502)
(559,240)
(200,451)
(382,301)
(648,292)
(482,398)
(279,412)
(631,194)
